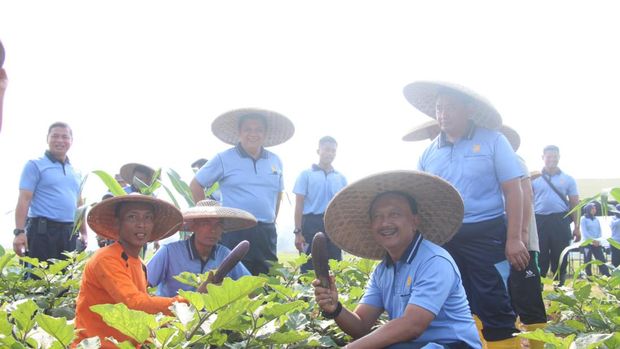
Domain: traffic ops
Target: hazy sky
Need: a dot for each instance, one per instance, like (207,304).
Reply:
(141,81)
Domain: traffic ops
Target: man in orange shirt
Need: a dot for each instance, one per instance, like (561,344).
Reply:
(115,274)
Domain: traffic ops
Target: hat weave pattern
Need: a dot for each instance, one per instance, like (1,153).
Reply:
(279,127)
(232,218)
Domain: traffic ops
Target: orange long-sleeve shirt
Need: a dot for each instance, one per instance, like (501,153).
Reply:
(112,277)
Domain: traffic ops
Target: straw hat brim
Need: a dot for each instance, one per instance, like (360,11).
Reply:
(534,175)
(440,209)
(423,96)
(233,219)
(512,135)
(426,130)
(2,54)
(167,218)
(128,169)
(279,127)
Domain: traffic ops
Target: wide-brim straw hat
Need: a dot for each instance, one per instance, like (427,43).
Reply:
(167,218)
(2,54)
(279,127)
(423,96)
(347,221)
(534,175)
(232,218)
(512,135)
(128,169)
(426,130)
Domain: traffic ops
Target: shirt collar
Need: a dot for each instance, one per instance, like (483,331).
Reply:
(442,142)
(193,252)
(549,174)
(316,167)
(49,155)
(409,253)
(244,154)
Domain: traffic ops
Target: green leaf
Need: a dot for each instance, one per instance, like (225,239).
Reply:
(564,299)
(592,340)
(227,318)
(212,189)
(614,243)
(615,192)
(577,325)
(230,291)
(184,313)
(110,183)
(58,266)
(296,321)
(583,292)
(133,323)
(287,337)
(194,298)
(174,200)
(57,328)
(274,310)
(4,260)
(89,343)
(180,186)
(24,315)
(167,336)
(288,292)
(542,336)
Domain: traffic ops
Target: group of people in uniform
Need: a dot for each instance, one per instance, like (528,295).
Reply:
(456,237)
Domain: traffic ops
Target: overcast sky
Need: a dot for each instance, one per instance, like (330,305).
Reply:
(141,81)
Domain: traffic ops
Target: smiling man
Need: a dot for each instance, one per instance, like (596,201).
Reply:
(401,217)
(201,252)
(115,274)
(49,194)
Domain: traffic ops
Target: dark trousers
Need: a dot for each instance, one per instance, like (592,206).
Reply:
(310,225)
(615,256)
(554,235)
(263,246)
(526,293)
(479,251)
(598,253)
(49,239)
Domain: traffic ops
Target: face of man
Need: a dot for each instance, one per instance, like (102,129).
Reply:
(136,222)
(59,141)
(252,134)
(327,153)
(207,231)
(452,113)
(392,223)
(551,158)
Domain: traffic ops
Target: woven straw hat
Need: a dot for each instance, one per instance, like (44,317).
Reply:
(279,127)
(534,175)
(127,171)
(232,218)
(423,96)
(426,130)
(2,54)
(347,223)
(513,137)
(102,217)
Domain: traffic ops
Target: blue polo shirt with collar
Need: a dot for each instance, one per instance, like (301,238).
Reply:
(476,165)
(428,277)
(546,201)
(174,258)
(55,188)
(590,228)
(245,183)
(318,187)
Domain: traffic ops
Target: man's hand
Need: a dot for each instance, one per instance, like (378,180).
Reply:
(300,243)
(517,254)
(576,234)
(20,244)
(327,299)
(203,287)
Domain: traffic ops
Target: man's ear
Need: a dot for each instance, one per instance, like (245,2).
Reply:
(416,220)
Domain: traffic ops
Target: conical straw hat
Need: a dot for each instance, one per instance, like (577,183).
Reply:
(279,127)
(232,218)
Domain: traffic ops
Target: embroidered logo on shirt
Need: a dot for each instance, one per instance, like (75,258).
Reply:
(408,281)
(274,170)
(476,148)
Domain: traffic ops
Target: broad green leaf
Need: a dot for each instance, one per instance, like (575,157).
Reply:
(188,278)
(166,336)
(24,315)
(560,329)
(230,291)
(58,266)
(288,292)
(212,189)
(274,310)
(288,337)
(542,336)
(564,299)
(110,183)
(592,340)
(227,318)
(180,186)
(577,325)
(614,341)
(615,192)
(57,328)
(194,298)
(583,292)
(296,321)
(2,251)
(4,260)
(30,260)
(614,243)
(184,313)
(5,325)
(133,323)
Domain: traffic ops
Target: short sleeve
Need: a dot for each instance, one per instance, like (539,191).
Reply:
(434,281)
(211,172)
(373,295)
(30,177)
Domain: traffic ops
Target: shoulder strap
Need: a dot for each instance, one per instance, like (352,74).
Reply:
(555,190)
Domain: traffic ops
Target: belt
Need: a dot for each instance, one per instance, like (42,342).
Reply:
(36,220)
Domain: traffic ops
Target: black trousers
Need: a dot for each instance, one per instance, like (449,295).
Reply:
(49,239)
(310,225)
(554,235)
(597,251)
(263,246)
(615,256)
(526,293)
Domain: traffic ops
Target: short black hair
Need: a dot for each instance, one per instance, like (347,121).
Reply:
(119,206)
(551,148)
(413,204)
(59,124)
(327,139)
(199,163)
(246,117)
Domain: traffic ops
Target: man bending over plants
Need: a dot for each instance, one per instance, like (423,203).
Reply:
(401,218)
(115,274)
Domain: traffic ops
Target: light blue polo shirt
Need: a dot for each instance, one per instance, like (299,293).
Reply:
(590,228)
(615,228)
(546,201)
(318,187)
(476,165)
(55,187)
(428,277)
(176,257)
(245,183)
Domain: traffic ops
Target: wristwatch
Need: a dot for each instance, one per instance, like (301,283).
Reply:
(296,231)
(18,231)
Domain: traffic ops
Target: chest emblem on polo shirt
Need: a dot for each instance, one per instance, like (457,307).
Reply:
(476,148)
(274,170)
(408,281)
